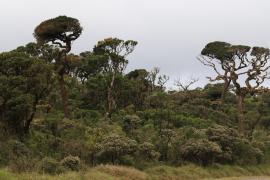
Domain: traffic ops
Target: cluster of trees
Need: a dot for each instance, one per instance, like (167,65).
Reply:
(67,109)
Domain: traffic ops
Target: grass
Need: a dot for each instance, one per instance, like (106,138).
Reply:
(110,172)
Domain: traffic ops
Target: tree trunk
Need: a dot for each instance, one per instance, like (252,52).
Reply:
(64,95)
(110,97)
(224,91)
(240,111)
(30,119)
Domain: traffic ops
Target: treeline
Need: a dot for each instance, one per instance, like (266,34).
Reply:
(61,111)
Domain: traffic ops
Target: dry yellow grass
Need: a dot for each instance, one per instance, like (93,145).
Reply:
(122,172)
(189,172)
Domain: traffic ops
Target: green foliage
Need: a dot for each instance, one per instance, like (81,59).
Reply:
(50,166)
(115,146)
(147,151)
(20,157)
(57,28)
(130,124)
(235,149)
(218,50)
(200,151)
(24,81)
(112,116)
(72,163)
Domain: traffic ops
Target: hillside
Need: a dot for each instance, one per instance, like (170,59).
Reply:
(83,115)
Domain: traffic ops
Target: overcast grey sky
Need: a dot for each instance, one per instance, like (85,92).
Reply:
(170,33)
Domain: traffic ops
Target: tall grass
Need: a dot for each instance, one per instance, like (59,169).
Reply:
(108,172)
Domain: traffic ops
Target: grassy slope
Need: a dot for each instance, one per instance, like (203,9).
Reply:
(161,172)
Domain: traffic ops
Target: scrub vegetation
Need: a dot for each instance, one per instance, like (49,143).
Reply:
(83,116)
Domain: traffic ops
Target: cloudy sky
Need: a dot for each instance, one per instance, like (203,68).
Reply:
(170,33)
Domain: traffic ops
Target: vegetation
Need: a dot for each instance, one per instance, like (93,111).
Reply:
(63,112)
(160,172)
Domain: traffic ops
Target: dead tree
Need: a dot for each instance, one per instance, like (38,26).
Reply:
(184,86)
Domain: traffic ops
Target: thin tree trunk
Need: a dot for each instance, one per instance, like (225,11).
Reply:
(225,90)
(240,111)
(30,119)
(60,68)
(110,98)
(64,95)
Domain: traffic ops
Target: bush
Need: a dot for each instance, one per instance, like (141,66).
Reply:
(22,164)
(75,148)
(114,147)
(50,166)
(200,151)
(18,148)
(147,151)
(20,157)
(3,154)
(235,149)
(72,163)
(130,124)
(244,153)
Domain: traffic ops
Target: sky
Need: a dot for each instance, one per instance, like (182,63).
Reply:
(170,33)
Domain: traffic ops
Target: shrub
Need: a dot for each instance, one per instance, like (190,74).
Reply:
(115,146)
(50,166)
(75,148)
(226,139)
(18,148)
(20,157)
(72,163)
(3,154)
(235,149)
(200,151)
(131,123)
(22,164)
(147,151)
(244,153)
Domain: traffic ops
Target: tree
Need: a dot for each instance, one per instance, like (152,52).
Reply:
(184,86)
(24,81)
(116,52)
(162,80)
(238,62)
(90,65)
(60,31)
(140,87)
(45,52)
(214,55)
(153,76)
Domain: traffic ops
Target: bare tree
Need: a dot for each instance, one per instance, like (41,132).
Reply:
(184,86)
(152,77)
(162,80)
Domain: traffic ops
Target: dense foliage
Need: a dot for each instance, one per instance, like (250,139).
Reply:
(118,117)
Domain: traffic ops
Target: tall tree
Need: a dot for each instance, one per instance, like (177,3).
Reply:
(239,63)
(215,55)
(60,31)
(116,51)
